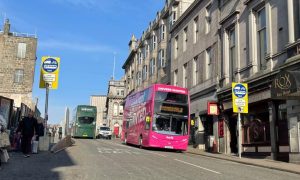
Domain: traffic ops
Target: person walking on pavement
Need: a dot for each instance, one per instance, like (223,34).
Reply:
(27,128)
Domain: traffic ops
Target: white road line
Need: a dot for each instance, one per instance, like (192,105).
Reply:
(157,154)
(126,146)
(197,166)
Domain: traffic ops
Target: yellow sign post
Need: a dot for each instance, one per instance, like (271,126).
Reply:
(239,105)
(49,79)
(49,72)
(240,97)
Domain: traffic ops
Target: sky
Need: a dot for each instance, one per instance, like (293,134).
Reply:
(85,34)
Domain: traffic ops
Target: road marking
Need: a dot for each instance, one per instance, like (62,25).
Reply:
(197,166)
(157,154)
(134,148)
(116,151)
(122,145)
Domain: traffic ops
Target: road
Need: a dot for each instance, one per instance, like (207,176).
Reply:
(109,159)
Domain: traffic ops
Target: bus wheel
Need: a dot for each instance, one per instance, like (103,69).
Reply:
(141,142)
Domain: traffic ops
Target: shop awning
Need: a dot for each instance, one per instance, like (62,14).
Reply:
(286,85)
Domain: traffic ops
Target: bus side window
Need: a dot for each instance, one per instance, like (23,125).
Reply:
(127,124)
(148,121)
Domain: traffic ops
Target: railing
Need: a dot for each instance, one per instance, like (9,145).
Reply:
(21,34)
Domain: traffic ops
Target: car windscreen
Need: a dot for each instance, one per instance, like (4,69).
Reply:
(104,128)
(85,120)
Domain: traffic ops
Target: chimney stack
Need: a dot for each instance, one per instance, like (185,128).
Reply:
(6,27)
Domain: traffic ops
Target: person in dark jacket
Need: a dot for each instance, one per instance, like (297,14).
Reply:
(27,129)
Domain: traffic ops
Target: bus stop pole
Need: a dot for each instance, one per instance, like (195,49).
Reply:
(239,136)
(46,108)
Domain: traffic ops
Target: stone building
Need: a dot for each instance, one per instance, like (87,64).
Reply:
(251,41)
(194,61)
(114,105)
(149,56)
(99,101)
(17,65)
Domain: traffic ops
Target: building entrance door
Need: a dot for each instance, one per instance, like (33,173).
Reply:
(282,132)
(233,134)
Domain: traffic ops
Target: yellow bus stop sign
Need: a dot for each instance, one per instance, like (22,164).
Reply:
(240,97)
(49,72)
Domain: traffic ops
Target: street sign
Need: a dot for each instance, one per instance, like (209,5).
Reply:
(240,97)
(49,72)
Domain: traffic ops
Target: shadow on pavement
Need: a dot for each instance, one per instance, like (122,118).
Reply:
(42,166)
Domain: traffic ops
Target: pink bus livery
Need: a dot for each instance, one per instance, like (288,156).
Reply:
(157,116)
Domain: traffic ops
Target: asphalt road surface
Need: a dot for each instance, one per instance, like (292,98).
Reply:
(110,159)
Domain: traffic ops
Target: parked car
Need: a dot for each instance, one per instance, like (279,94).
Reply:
(104,132)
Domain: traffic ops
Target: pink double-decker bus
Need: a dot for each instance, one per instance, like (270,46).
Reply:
(157,116)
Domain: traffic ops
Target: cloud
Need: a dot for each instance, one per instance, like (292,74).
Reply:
(75,46)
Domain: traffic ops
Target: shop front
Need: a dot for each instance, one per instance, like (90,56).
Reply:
(285,93)
(264,128)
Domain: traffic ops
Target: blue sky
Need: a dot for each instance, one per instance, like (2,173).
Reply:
(85,34)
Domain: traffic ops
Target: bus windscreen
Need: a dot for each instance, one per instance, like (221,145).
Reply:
(171,97)
(86,120)
(172,125)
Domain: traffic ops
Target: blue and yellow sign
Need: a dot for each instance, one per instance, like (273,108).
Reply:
(49,72)
(240,97)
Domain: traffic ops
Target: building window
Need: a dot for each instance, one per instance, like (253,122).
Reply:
(147,49)
(172,19)
(21,50)
(145,73)
(185,38)
(208,63)
(19,76)
(161,58)
(207,18)
(140,59)
(115,109)
(195,71)
(176,47)
(122,92)
(232,54)
(162,32)
(138,78)
(196,30)
(184,75)
(261,37)
(152,66)
(154,42)
(297,18)
(175,77)
(120,110)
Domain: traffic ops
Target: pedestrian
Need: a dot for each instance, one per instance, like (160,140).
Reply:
(40,129)
(59,133)
(27,128)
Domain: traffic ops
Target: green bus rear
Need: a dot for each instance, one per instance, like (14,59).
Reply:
(84,122)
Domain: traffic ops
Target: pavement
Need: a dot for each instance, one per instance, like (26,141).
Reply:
(266,163)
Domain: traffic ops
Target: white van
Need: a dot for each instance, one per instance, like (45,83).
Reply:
(104,132)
